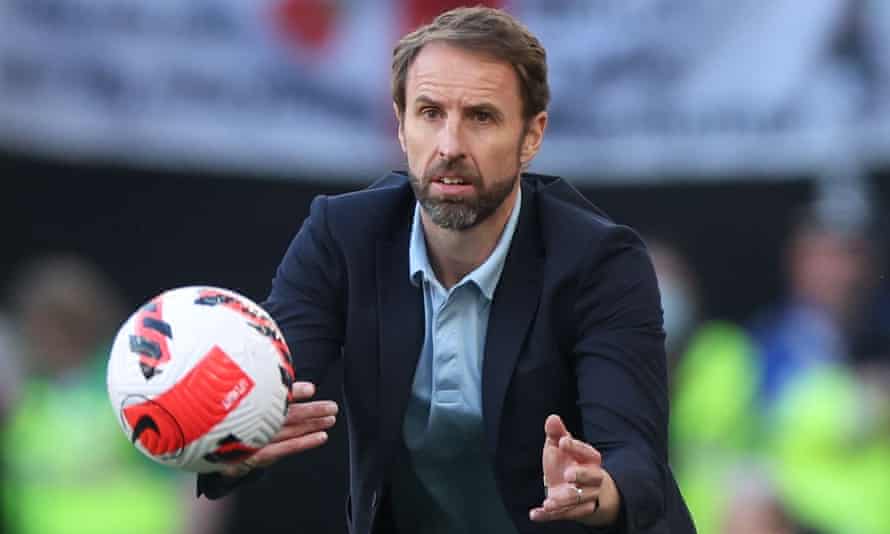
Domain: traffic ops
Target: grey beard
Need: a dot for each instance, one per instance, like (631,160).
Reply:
(451,215)
(462,215)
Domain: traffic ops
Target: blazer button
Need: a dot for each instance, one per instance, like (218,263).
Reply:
(373,500)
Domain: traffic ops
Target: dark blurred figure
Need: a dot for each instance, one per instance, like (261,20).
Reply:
(68,467)
(65,310)
(10,366)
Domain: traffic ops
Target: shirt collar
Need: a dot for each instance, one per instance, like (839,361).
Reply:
(486,276)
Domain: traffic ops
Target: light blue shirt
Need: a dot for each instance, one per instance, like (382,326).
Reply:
(443,427)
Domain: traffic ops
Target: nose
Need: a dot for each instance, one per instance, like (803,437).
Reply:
(451,147)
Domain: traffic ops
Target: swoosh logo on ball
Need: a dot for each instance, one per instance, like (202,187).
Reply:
(144,423)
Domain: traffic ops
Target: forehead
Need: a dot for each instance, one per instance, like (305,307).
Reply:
(450,72)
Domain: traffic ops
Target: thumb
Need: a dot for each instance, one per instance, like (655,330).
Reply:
(555,429)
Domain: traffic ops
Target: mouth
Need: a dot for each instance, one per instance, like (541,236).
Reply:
(452,180)
(451,186)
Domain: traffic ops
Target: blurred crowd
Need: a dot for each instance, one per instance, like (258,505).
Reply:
(781,425)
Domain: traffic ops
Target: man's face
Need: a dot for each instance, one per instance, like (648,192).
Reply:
(831,269)
(463,134)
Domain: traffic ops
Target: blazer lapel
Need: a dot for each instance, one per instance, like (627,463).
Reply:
(401,325)
(512,309)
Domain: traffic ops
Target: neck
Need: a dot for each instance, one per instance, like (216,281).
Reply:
(455,253)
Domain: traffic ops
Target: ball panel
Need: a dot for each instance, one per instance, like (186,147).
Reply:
(149,338)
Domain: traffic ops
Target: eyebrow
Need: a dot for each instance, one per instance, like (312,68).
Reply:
(423,99)
(484,106)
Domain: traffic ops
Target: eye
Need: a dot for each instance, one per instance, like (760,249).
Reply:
(430,113)
(483,117)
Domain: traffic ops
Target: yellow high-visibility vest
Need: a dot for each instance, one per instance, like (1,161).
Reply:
(69,469)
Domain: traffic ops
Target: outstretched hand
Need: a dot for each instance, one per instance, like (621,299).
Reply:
(578,488)
(304,428)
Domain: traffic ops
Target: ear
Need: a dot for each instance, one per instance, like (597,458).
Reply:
(533,138)
(401,132)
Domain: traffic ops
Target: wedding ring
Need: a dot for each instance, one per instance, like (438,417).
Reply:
(579,491)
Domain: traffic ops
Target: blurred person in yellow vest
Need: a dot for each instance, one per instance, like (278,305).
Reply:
(68,468)
(827,316)
(831,447)
(824,355)
(715,426)
(710,430)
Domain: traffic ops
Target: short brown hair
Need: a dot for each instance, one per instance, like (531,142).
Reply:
(487,30)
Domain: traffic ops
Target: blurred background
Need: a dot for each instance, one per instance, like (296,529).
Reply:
(149,145)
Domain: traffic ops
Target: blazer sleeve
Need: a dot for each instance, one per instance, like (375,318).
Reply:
(308,297)
(307,301)
(622,378)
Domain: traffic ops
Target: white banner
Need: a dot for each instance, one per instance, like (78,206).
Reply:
(642,89)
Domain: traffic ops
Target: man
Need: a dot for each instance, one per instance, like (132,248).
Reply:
(479,312)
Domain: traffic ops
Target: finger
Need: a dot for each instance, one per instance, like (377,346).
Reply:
(580,451)
(554,429)
(567,496)
(306,427)
(591,477)
(302,390)
(301,411)
(231,471)
(574,512)
(275,451)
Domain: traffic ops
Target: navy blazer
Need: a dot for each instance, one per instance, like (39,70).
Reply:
(575,329)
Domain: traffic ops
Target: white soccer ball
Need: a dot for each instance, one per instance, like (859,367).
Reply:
(200,377)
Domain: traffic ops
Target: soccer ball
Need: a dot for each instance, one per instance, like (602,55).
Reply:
(200,377)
